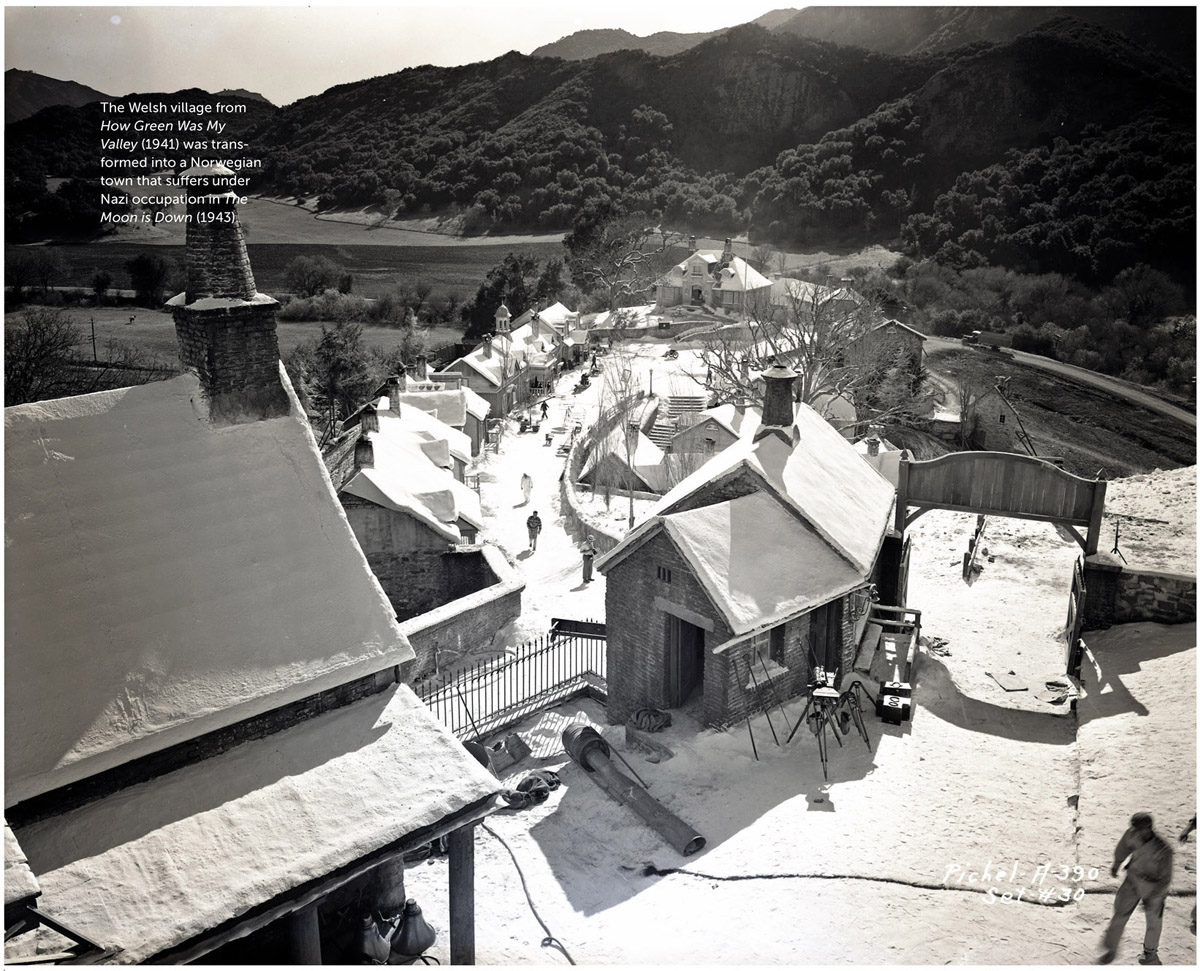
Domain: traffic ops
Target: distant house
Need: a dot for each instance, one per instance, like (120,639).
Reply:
(721,281)
(618,463)
(789,296)
(760,561)
(209,747)
(888,337)
(497,370)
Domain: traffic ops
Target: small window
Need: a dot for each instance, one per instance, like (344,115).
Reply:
(664,574)
(697,270)
(767,647)
(1001,419)
(710,445)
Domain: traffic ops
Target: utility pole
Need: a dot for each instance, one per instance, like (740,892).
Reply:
(95,359)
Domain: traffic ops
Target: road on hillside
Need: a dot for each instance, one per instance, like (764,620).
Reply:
(1121,389)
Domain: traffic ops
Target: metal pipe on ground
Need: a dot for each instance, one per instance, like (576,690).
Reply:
(586,746)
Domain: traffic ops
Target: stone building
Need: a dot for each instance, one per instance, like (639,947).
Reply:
(748,571)
(209,746)
(496,369)
(721,281)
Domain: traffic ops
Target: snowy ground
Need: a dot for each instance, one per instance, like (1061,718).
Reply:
(866,868)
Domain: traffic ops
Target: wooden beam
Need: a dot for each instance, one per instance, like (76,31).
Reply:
(1075,535)
(1093,534)
(304,936)
(917,514)
(462,895)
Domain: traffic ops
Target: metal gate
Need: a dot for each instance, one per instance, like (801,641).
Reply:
(1075,605)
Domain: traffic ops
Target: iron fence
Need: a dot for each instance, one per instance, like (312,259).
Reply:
(481,699)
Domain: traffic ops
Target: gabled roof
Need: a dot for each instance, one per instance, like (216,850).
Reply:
(167,577)
(490,367)
(759,563)
(404,478)
(740,275)
(646,461)
(449,406)
(821,477)
(739,420)
(429,428)
(892,322)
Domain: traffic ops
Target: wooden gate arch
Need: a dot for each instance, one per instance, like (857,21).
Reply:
(1002,484)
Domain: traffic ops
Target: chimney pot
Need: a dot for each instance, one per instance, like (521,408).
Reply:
(364,453)
(778,400)
(369,420)
(872,446)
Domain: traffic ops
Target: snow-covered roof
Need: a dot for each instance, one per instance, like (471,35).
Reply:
(157,864)
(893,324)
(404,478)
(448,405)
(740,275)
(739,420)
(758,562)
(19,881)
(491,366)
(156,586)
(647,458)
(886,461)
(822,477)
(429,428)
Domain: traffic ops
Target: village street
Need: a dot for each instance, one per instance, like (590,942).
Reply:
(905,853)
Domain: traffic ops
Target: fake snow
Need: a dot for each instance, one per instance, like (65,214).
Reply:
(905,854)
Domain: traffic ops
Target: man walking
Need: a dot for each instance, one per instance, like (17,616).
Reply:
(1147,879)
(545,411)
(534,525)
(589,553)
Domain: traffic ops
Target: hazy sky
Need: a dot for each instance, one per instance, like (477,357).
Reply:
(290,52)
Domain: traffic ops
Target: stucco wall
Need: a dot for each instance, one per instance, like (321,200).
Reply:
(1117,594)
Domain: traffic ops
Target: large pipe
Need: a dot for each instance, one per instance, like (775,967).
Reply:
(585,745)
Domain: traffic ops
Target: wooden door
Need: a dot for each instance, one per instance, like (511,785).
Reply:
(685,660)
(825,636)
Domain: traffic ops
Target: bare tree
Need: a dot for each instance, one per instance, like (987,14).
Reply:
(622,257)
(832,344)
(616,430)
(42,360)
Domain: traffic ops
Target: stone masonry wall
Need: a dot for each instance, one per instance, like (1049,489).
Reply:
(467,624)
(234,349)
(1117,594)
(217,262)
(637,629)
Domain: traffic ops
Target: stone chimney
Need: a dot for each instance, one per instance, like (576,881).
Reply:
(874,432)
(778,405)
(487,345)
(692,244)
(396,386)
(368,420)
(225,327)
(364,452)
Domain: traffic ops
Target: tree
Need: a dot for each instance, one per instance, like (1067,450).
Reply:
(830,344)
(101,283)
(42,360)
(619,256)
(336,373)
(615,432)
(520,282)
(309,276)
(1141,296)
(148,276)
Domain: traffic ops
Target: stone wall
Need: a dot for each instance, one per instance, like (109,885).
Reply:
(1118,594)
(638,602)
(467,624)
(235,351)
(572,513)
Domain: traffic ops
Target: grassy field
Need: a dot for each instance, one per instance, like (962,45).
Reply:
(377,269)
(154,331)
(1092,431)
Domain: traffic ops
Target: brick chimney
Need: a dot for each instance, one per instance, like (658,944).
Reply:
(225,327)
(487,345)
(874,432)
(727,253)
(778,405)
(692,244)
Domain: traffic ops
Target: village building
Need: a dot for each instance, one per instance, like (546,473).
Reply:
(888,338)
(407,509)
(459,408)
(748,573)
(210,750)
(720,281)
(496,369)
(789,296)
